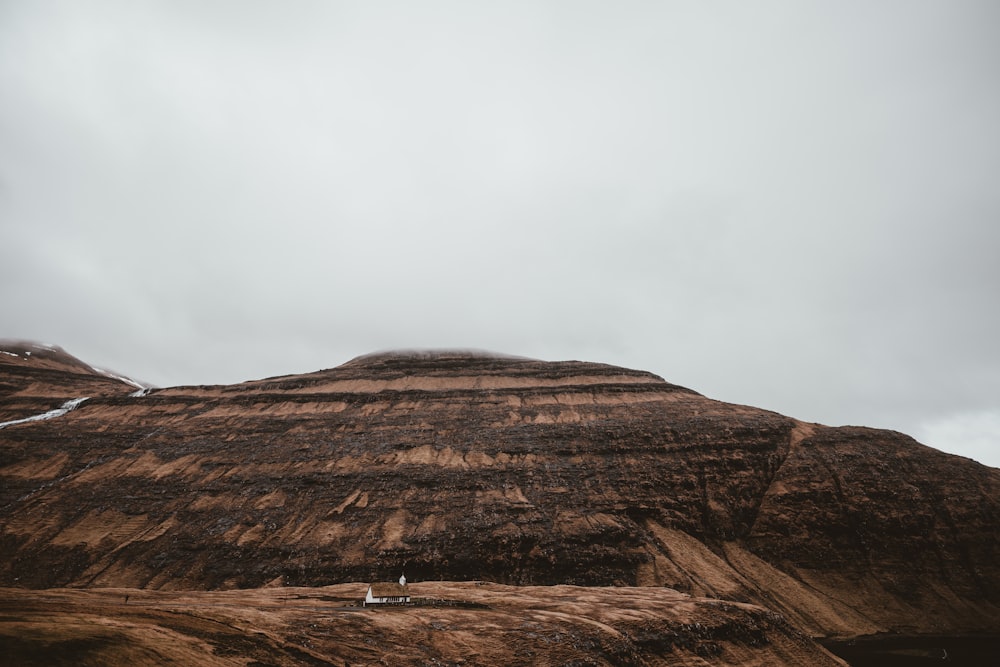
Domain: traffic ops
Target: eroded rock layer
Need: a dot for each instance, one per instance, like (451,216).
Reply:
(464,466)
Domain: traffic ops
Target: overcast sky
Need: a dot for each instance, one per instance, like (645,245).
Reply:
(791,205)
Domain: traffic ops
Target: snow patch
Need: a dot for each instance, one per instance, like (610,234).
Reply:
(68,406)
(9,354)
(142,392)
(107,373)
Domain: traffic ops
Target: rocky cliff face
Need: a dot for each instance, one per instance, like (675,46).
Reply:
(463,466)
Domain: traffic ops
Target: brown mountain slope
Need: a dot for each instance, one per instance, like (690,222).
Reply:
(36,378)
(464,466)
(471,624)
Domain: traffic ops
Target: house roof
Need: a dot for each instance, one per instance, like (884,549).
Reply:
(389,590)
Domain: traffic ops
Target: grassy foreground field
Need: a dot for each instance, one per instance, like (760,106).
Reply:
(453,623)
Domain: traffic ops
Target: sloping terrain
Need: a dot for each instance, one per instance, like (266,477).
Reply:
(463,466)
(36,378)
(469,624)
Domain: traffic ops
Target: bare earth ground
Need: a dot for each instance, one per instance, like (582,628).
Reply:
(455,624)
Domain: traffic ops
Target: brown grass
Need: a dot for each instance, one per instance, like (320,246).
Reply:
(457,623)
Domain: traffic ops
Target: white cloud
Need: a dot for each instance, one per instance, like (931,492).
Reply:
(972,434)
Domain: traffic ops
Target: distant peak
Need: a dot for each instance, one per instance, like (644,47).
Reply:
(53,356)
(26,349)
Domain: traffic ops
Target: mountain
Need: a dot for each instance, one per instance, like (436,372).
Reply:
(466,466)
(33,376)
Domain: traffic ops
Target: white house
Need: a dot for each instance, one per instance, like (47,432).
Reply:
(388,593)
